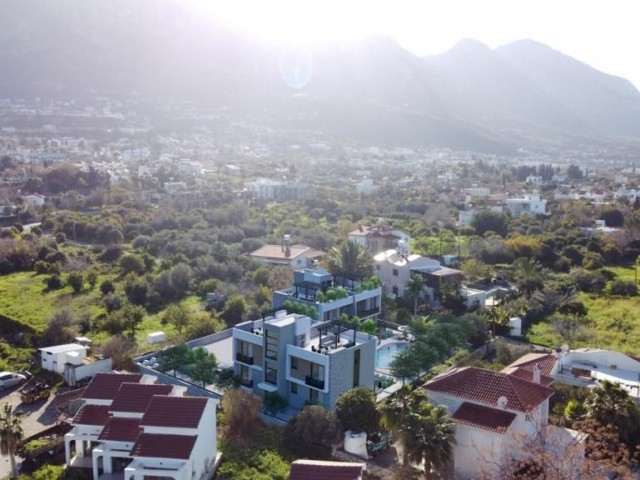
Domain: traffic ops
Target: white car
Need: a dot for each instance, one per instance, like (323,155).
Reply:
(9,379)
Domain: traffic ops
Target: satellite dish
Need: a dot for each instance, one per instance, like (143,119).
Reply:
(502,402)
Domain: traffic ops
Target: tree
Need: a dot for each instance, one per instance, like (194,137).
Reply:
(132,316)
(178,316)
(76,280)
(357,410)
(415,286)
(610,404)
(92,278)
(174,358)
(529,275)
(312,432)
(60,328)
(136,289)
(234,309)
(203,368)
(425,430)
(350,260)
(241,414)
(405,365)
(369,326)
(114,237)
(11,435)
(131,264)
(121,351)
(107,286)
(486,221)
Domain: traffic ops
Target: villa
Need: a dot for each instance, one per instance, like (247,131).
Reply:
(330,296)
(130,425)
(379,237)
(301,359)
(494,413)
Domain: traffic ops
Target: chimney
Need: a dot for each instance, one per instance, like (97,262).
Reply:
(536,374)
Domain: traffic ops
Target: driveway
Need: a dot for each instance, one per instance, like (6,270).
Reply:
(36,417)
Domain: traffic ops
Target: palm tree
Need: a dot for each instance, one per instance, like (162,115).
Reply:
(350,260)
(610,404)
(529,275)
(415,286)
(425,430)
(11,435)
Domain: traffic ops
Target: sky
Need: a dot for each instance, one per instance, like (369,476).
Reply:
(603,34)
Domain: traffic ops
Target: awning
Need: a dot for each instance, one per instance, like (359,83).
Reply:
(268,387)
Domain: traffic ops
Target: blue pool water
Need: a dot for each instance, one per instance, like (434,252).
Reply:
(386,353)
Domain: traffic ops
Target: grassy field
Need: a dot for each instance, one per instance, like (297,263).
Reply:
(24,297)
(613,322)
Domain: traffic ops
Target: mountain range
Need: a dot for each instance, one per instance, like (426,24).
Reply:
(470,97)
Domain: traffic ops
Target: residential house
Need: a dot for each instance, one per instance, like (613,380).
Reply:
(323,470)
(380,237)
(586,367)
(494,413)
(301,359)
(131,426)
(34,200)
(278,190)
(394,269)
(294,256)
(529,204)
(330,296)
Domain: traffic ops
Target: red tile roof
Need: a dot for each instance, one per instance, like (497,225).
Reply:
(135,397)
(155,445)
(92,415)
(545,361)
(179,412)
(105,386)
(527,375)
(319,470)
(121,429)
(487,386)
(485,418)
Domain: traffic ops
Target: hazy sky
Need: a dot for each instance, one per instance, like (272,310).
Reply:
(605,35)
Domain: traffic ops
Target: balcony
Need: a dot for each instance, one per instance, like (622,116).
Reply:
(363,313)
(246,359)
(314,382)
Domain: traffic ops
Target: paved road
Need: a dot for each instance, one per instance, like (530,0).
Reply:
(35,417)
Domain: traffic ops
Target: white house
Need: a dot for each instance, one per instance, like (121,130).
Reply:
(494,412)
(34,200)
(55,358)
(530,204)
(588,366)
(294,256)
(393,268)
(142,430)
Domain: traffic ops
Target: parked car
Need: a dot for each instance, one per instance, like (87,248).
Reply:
(10,379)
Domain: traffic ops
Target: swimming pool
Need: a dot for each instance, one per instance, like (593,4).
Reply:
(386,353)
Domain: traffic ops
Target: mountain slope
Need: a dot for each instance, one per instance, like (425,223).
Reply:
(469,97)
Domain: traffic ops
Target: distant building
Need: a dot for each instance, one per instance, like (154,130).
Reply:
(294,256)
(34,200)
(530,204)
(379,237)
(394,270)
(278,190)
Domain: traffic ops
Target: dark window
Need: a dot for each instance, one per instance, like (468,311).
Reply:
(272,345)
(294,363)
(395,272)
(395,290)
(294,388)
(377,267)
(271,375)
(313,395)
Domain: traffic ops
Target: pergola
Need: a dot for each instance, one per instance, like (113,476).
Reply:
(337,327)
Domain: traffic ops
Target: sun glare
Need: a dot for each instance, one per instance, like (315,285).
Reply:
(293,22)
